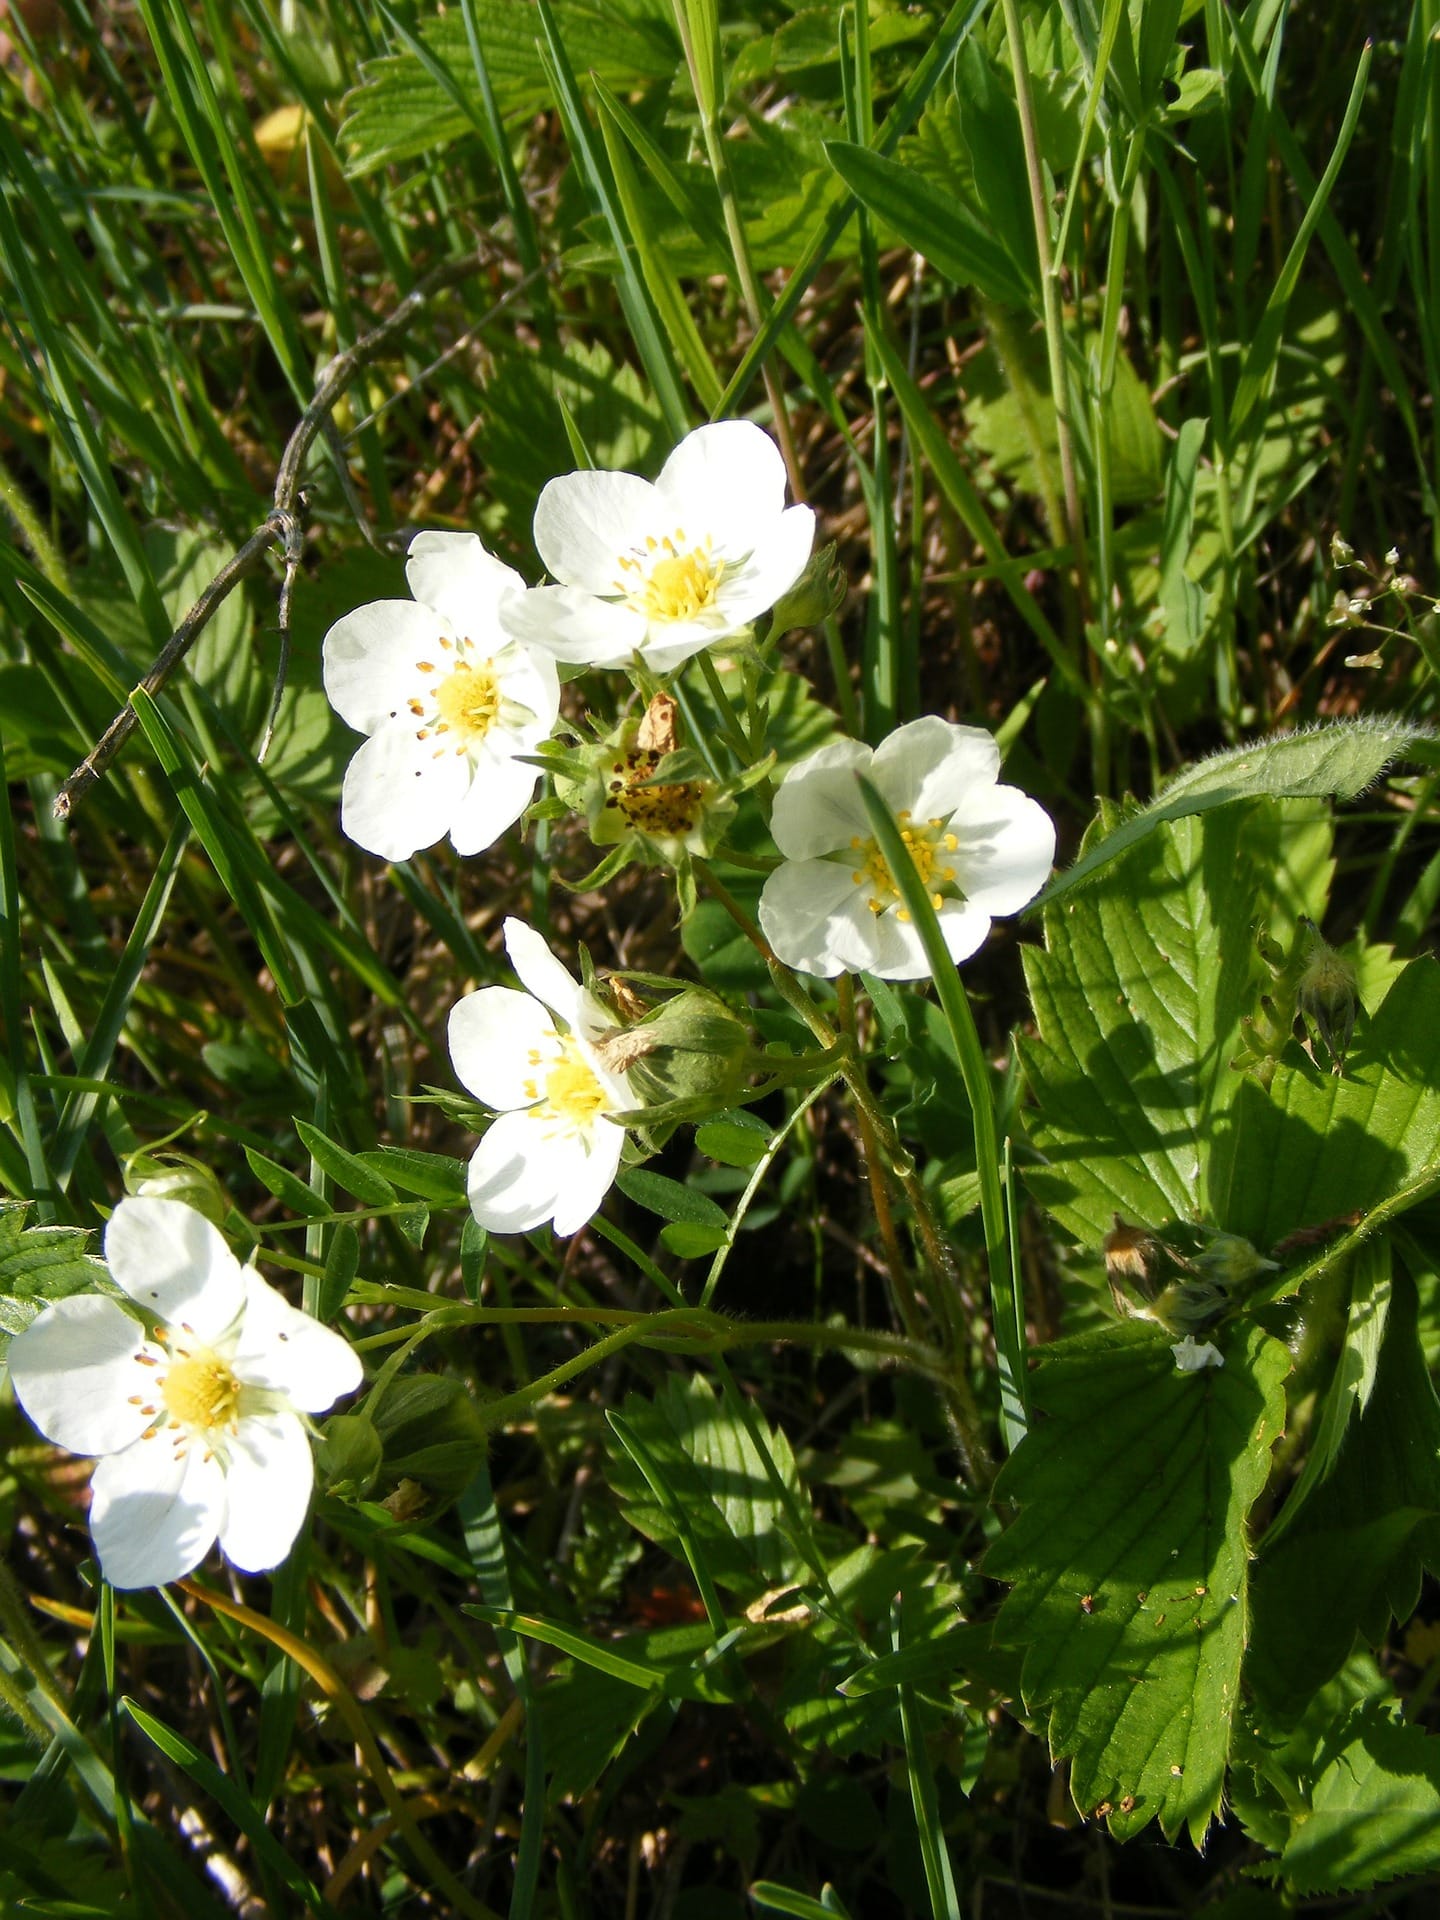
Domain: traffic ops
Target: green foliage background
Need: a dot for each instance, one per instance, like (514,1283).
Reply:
(685,1568)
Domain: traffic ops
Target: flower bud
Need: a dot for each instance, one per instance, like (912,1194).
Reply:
(1325,994)
(431,1431)
(350,1451)
(815,596)
(156,1174)
(1228,1262)
(693,1048)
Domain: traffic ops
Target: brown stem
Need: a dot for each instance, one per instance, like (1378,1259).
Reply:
(281,526)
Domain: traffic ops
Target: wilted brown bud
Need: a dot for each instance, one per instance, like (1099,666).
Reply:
(657,733)
(1129,1252)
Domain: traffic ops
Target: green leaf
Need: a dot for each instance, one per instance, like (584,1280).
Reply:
(1367,1277)
(1318,1146)
(1355,1558)
(403,108)
(1339,758)
(285,1185)
(431,1176)
(1130,1566)
(736,1139)
(1375,1811)
(777,1899)
(952,238)
(716,1476)
(659,1194)
(39,1264)
(370,1188)
(342,1263)
(1138,994)
(691,1242)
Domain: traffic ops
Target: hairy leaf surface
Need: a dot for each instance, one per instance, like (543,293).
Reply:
(1129,1563)
(1139,993)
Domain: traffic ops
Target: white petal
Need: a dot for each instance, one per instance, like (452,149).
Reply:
(1193,1357)
(516,1180)
(495,1036)
(572,625)
(894,949)
(175,1264)
(267,1491)
(453,573)
(154,1513)
(818,808)
(932,766)
(398,796)
(726,480)
(585,522)
(524,1173)
(772,569)
(592,1166)
(291,1352)
(807,913)
(965,926)
(1007,848)
(529,681)
(371,656)
(500,791)
(74,1370)
(669,642)
(540,973)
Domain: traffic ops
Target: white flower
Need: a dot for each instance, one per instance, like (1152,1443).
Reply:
(1191,1355)
(554,1149)
(664,570)
(449,700)
(981,849)
(198,1422)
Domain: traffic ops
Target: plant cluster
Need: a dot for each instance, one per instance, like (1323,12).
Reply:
(832,1368)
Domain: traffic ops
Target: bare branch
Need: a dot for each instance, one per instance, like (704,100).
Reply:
(280,527)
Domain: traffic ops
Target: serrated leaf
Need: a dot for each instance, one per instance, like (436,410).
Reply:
(401,109)
(1367,1309)
(715,1474)
(1138,994)
(1355,1558)
(1375,1811)
(43,1263)
(1338,759)
(1128,1563)
(1320,1146)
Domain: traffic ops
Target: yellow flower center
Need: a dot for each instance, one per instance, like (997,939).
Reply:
(200,1391)
(469,702)
(572,1094)
(927,846)
(676,581)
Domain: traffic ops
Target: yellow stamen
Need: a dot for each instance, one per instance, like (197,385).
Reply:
(469,702)
(573,1094)
(682,581)
(201,1391)
(924,845)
